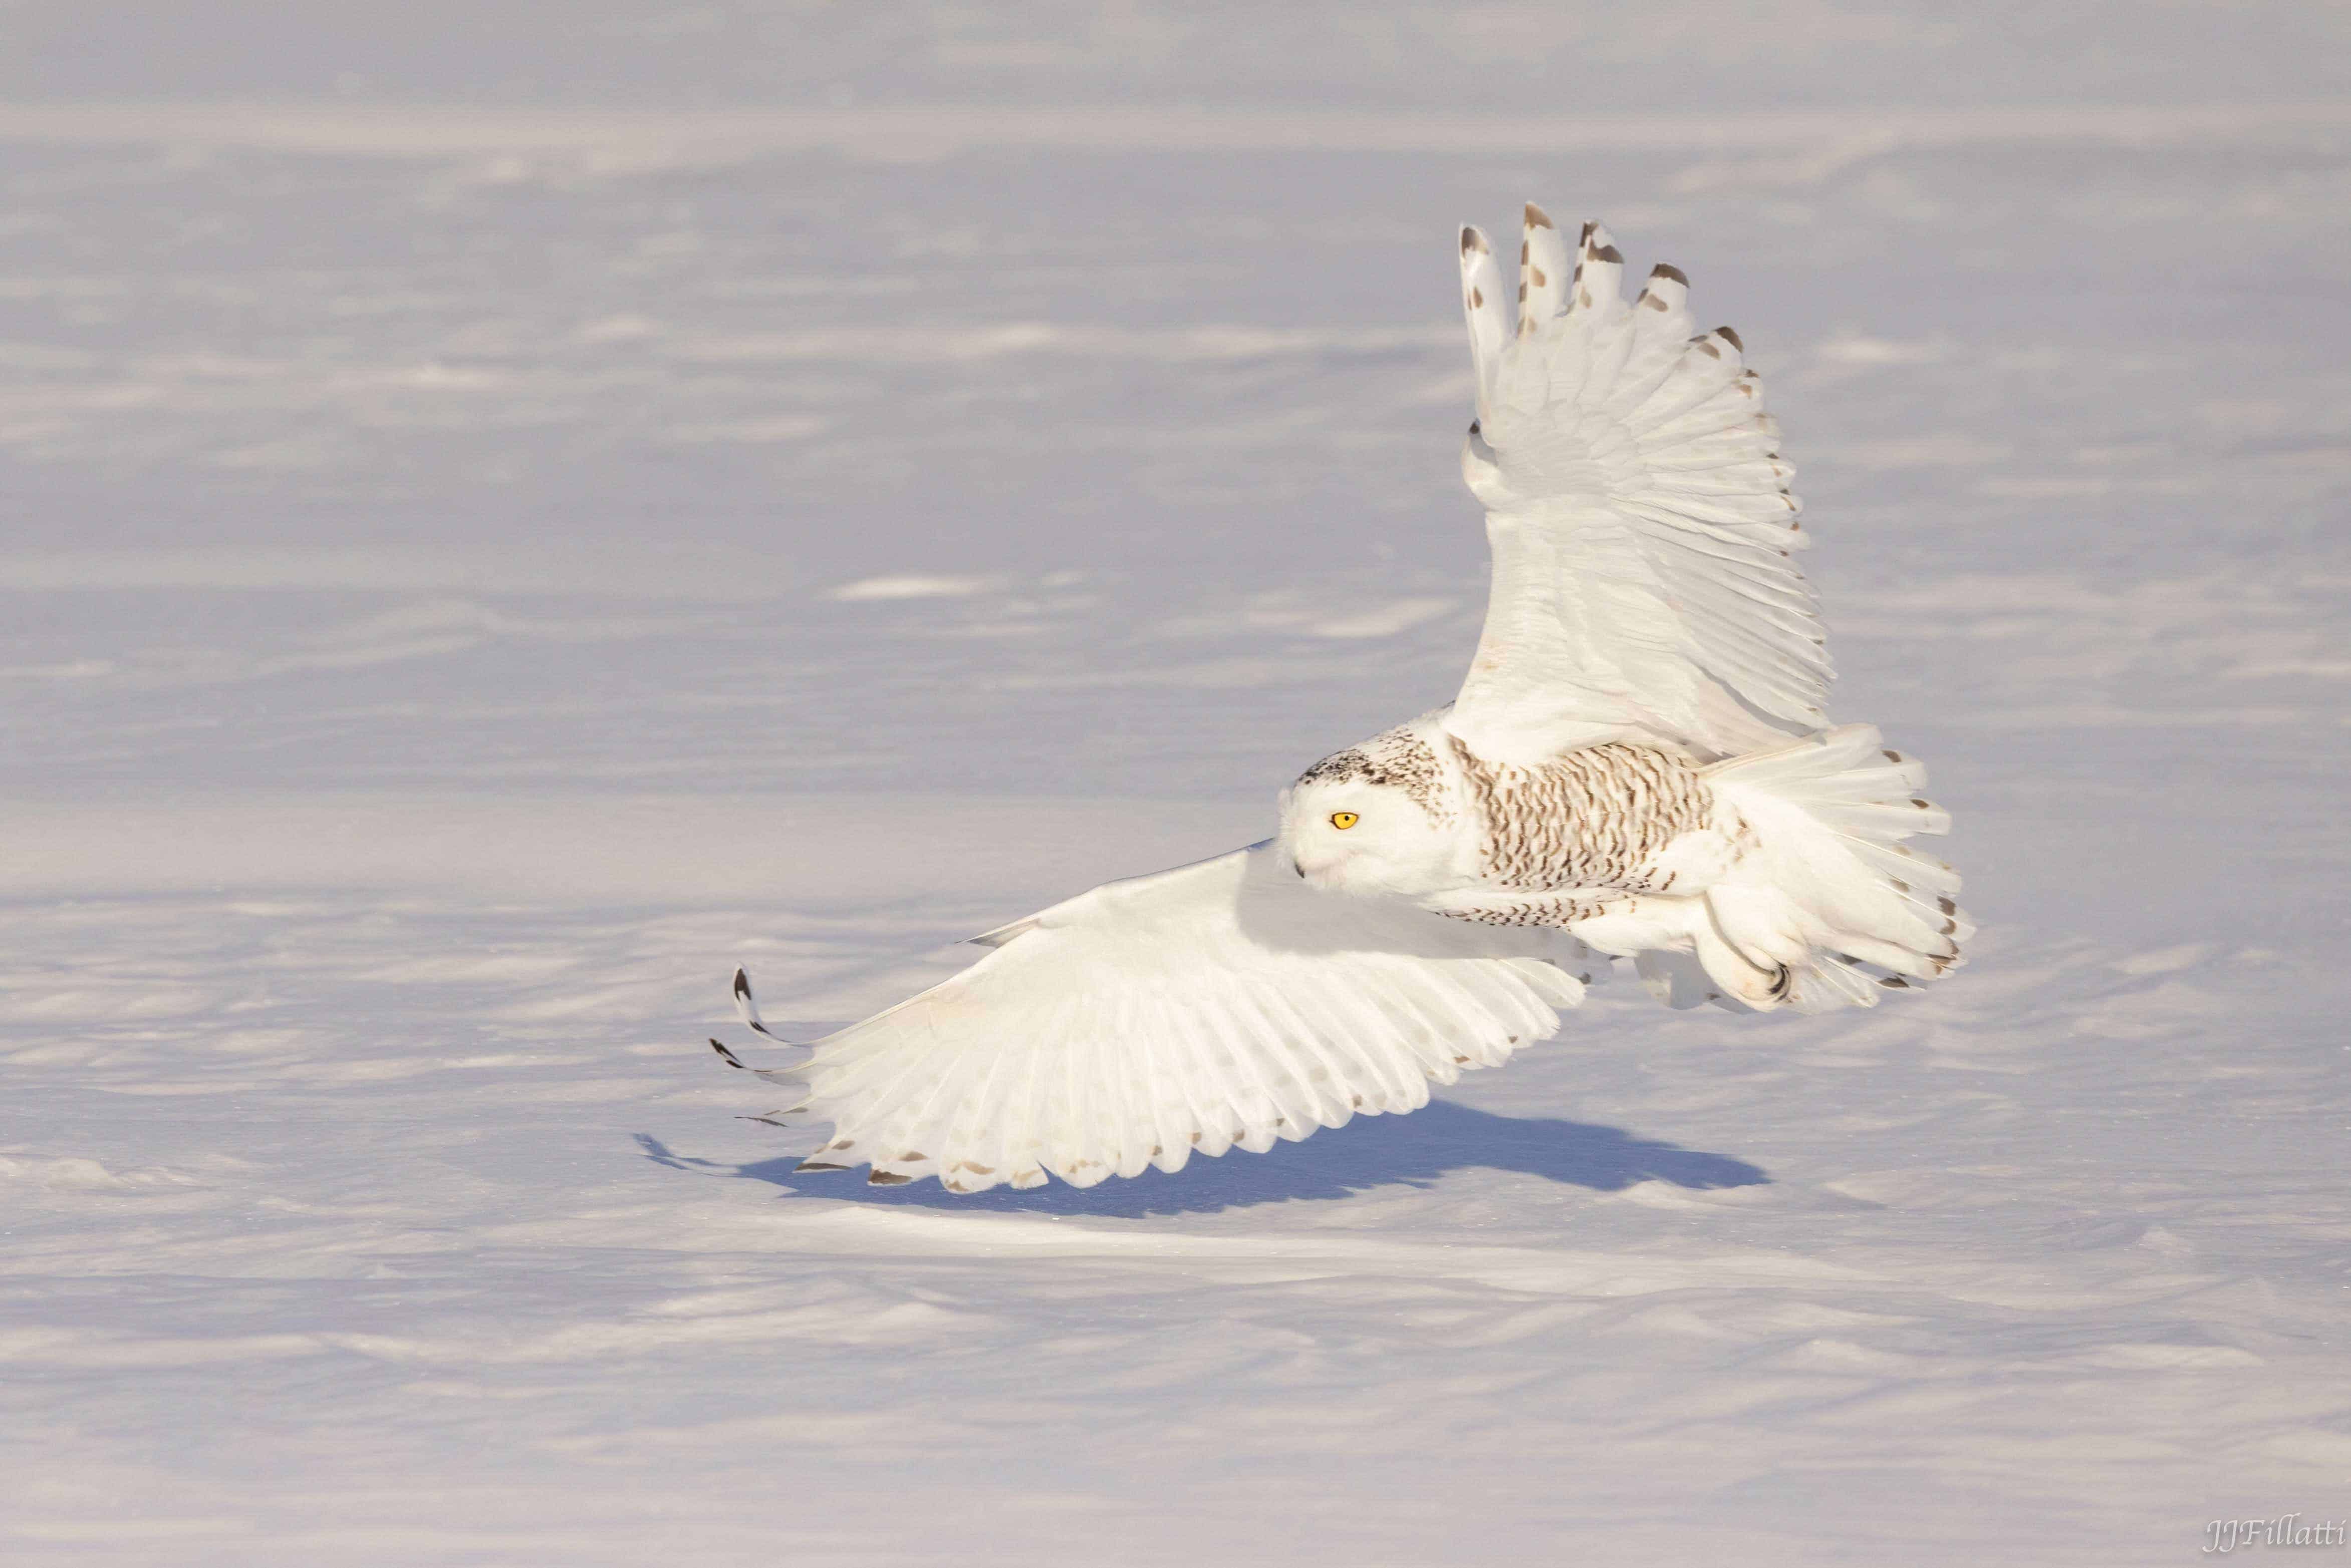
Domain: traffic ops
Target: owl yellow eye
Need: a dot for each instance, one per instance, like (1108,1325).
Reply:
(1343,820)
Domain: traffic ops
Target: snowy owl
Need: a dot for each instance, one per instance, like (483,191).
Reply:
(1638,765)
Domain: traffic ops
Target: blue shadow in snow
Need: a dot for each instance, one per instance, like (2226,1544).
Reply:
(1338,1162)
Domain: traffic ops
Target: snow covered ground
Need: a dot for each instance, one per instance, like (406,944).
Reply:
(502,521)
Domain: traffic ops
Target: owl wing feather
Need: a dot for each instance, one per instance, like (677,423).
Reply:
(1642,531)
(1220,1005)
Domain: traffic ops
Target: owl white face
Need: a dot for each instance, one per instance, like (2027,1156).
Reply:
(1349,834)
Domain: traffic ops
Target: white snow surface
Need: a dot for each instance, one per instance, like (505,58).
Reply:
(498,527)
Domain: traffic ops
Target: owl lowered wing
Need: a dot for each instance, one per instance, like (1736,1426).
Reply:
(1222,1004)
(1638,511)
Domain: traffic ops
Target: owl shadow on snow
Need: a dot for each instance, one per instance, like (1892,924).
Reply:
(1367,1153)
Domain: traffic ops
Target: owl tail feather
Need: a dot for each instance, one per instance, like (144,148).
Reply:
(1829,907)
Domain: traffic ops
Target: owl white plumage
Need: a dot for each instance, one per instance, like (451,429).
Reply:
(1638,765)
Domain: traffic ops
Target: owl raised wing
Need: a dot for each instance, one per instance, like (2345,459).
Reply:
(1643,532)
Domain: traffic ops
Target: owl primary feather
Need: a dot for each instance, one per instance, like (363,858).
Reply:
(1639,765)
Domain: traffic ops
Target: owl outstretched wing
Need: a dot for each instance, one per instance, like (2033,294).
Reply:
(1643,532)
(1222,1005)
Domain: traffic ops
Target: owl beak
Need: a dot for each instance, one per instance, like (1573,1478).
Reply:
(1314,875)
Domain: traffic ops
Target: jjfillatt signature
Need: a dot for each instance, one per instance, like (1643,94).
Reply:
(2225,1535)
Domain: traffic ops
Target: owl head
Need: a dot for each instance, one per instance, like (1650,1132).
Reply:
(1373,819)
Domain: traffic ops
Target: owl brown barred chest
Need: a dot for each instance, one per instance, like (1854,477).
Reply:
(1601,816)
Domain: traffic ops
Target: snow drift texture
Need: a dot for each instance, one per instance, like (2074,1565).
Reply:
(508,519)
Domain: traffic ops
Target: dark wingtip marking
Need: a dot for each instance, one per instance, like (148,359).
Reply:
(1731,338)
(817,1165)
(1538,219)
(1471,240)
(1895,983)
(1947,907)
(1609,252)
(727,1056)
(742,984)
(1667,269)
(887,1179)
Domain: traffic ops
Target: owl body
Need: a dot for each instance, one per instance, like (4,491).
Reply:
(1414,813)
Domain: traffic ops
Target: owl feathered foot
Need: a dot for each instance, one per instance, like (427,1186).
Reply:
(1830,907)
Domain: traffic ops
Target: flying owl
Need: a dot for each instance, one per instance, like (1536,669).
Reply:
(1638,765)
